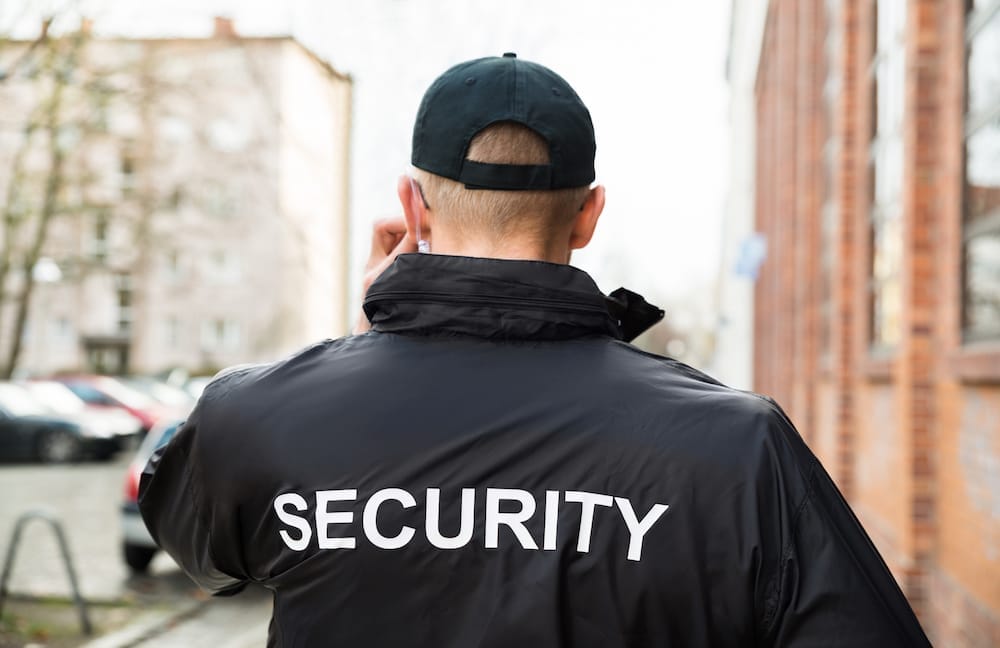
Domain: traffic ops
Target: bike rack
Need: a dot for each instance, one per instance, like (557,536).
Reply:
(57,529)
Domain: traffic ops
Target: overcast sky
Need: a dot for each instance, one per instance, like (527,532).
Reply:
(651,72)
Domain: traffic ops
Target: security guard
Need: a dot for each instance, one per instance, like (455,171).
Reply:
(492,464)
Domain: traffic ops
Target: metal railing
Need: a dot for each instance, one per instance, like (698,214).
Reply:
(57,529)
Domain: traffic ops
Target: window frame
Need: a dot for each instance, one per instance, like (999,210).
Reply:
(975,21)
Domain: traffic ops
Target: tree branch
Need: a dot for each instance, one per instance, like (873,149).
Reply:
(28,51)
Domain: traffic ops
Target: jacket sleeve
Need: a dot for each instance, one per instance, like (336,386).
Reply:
(173,505)
(830,586)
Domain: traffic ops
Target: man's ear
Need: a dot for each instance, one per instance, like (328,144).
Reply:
(586,221)
(414,209)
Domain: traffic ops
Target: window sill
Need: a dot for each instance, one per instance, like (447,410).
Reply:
(879,365)
(977,363)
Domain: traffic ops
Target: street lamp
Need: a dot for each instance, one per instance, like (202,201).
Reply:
(46,271)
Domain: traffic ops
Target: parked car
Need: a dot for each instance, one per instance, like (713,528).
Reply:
(181,378)
(30,430)
(163,393)
(112,422)
(138,548)
(107,392)
(195,386)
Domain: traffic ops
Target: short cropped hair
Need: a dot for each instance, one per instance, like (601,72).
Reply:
(499,214)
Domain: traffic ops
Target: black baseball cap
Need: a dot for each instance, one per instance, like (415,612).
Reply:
(475,94)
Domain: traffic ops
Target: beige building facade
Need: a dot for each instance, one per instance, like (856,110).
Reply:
(206,207)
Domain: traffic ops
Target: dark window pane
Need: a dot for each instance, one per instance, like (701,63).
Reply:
(984,69)
(982,296)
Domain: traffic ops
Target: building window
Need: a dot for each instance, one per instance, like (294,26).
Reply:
(62,331)
(888,71)
(99,240)
(221,201)
(981,231)
(172,332)
(176,129)
(128,182)
(220,334)
(174,266)
(176,199)
(224,266)
(227,136)
(124,292)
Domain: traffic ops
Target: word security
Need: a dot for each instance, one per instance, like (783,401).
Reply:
(327,521)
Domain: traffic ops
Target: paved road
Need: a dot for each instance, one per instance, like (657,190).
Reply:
(87,498)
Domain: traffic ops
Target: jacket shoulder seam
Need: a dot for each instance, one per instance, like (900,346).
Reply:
(686,369)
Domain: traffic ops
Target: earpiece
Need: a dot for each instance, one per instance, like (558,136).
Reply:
(417,204)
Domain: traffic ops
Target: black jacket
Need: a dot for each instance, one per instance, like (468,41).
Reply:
(492,465)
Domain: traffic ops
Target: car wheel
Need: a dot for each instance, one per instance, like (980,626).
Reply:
(106,455)
(138,557)
(58,446)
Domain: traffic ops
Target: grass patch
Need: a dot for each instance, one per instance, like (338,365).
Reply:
(55,623)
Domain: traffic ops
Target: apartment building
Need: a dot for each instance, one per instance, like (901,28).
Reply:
(202,215)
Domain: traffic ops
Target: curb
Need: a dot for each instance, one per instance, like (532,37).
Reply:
(146,626)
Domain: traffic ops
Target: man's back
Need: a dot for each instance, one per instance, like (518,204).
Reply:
(492,467)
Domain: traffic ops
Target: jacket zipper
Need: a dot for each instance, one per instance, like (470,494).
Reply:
(485,300)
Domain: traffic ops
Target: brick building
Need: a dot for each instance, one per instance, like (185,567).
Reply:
(876,319)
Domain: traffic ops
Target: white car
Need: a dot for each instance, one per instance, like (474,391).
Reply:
(104,422)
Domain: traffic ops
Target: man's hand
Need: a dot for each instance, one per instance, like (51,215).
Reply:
(389,240)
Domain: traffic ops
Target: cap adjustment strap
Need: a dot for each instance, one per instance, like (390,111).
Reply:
(512,177)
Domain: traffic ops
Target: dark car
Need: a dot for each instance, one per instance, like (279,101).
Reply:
(31,431)
(138,547)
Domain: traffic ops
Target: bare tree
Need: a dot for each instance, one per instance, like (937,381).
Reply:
(56,61)
(73,83)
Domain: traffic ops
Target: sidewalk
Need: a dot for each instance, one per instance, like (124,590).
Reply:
(235,622)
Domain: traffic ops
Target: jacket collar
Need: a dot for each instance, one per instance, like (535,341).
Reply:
(500,298)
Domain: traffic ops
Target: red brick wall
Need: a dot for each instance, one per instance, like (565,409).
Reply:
(912,438)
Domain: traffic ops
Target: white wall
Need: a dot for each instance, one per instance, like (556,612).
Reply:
(733,359)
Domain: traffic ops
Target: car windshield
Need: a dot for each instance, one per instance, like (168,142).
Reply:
(158,436)
(57,396)
(168,434)
(18,401)
(124,394)
(161,392)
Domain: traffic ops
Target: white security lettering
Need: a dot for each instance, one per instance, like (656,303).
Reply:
(370,523)
(551,520)
(638,529)
(587,501)
(297,533)
(514,521)
(465,528)
(300,523)
(324,518)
